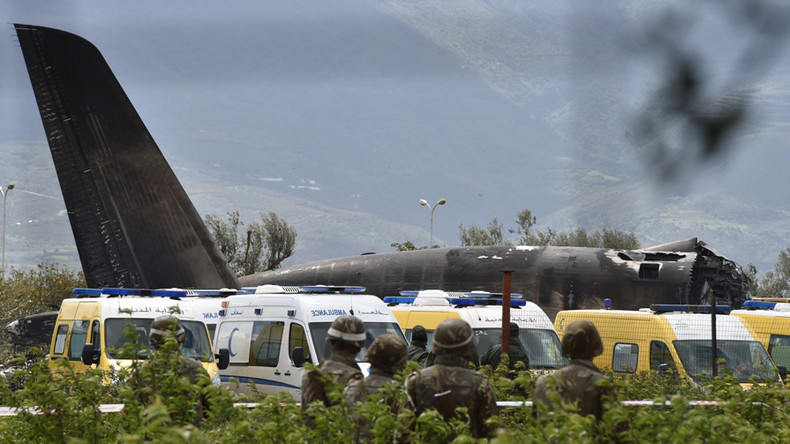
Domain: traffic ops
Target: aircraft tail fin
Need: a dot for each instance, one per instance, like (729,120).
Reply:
(133,223)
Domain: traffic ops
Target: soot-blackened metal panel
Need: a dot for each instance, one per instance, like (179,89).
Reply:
(132,221)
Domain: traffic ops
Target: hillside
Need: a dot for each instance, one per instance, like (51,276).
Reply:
(340,119)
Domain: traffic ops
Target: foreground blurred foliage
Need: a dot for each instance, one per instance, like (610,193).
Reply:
(162,411)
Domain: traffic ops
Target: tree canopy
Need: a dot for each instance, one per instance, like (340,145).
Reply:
(264,245)
(525,222)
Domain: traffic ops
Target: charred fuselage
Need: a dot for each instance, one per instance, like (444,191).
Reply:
(556,278)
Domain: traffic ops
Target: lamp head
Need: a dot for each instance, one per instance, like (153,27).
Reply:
(423,202)
(441,202)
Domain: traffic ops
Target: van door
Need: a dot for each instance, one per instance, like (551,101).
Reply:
(267,368)
(235,336)
(297,338)
(80,329)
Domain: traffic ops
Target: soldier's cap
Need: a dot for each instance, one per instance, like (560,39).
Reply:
(387,352)
(581,340)
(347,328)
(419,334)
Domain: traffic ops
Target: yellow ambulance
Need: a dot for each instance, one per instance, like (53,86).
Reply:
(769,323)
(483,311)
(672,338)
(89,330)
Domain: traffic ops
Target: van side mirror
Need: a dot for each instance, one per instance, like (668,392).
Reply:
(298,356)
(223,358)
(90,354)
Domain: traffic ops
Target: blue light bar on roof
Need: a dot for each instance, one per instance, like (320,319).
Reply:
(143,292)
(477,294)
(759,305)
(484,294)
(331,289)
(666,308)
(470,301)
(86,292)
(455,301)
(219,292)
(398,300)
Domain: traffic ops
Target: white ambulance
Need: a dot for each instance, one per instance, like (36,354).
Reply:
(483,311)
(271,333)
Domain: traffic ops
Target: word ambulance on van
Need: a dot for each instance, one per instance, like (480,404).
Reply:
(272,332)
(676,338)
(769,322)
(89,329)
(483,311)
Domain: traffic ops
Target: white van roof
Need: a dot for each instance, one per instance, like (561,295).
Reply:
(147,303)
(316,303)
(687,325)
(479,308)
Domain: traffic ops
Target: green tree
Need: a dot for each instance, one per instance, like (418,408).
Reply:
(525,222)
(263,245)
(23,293)
(226,234)
(476,235)
(776,283)
(279,240)
(751,272)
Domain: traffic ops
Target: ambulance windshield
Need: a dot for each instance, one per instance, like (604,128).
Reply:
(743,359)
(196,346)
(542,346)
(372,331)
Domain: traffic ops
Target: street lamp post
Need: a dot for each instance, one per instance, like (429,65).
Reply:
(425,203)
(5,194)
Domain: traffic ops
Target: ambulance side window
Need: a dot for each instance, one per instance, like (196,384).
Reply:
(625,357)
(779,349)
(660,356)
(267,337)
(79,334)
(60,339)
(298,338)
(96,334)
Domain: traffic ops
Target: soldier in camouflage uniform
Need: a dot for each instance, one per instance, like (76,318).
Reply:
(579,383)
(191,368)
(347,337)
(417,350)
(516,352)
(449,383)
(155,370)
(387,356)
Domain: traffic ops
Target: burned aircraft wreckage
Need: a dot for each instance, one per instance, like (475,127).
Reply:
(135,226)
(556,278)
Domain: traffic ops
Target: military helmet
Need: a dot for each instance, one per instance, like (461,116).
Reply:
(347,328)
(388,353)
(159,328)
(581,340)
(454,337)
(419,334)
